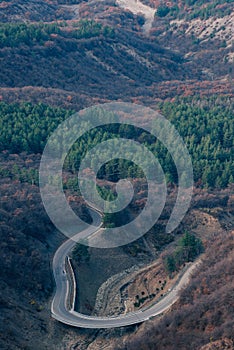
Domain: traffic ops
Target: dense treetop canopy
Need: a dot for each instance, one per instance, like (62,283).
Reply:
(206,127)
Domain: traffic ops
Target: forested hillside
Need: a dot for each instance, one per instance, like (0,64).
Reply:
(190,9)
(58,57)
(203,316)
(205,125)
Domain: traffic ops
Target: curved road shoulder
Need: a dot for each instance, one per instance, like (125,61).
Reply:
(62,313)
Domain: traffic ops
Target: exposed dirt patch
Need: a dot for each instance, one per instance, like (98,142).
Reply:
(224,344)
(137,7)
(219,28)
(140,286)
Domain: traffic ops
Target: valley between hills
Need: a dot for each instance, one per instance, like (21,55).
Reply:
(58,57)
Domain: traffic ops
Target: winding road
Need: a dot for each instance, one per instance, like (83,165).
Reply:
(62,313)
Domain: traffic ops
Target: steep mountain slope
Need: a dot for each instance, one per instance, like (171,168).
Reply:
(57,57)
(27,245)
(189,45)
(20,10)
(75,53)
(203,317)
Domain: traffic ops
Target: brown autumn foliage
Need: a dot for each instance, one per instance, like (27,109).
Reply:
(28,241)
(205,309)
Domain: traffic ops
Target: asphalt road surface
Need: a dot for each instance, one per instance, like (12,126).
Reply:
(70,317)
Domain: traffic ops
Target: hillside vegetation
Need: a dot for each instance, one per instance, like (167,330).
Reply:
(204,313)
(57,56)
(205,125)
(60,56)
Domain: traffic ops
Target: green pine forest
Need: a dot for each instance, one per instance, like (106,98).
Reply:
(206,126)
(18,34)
